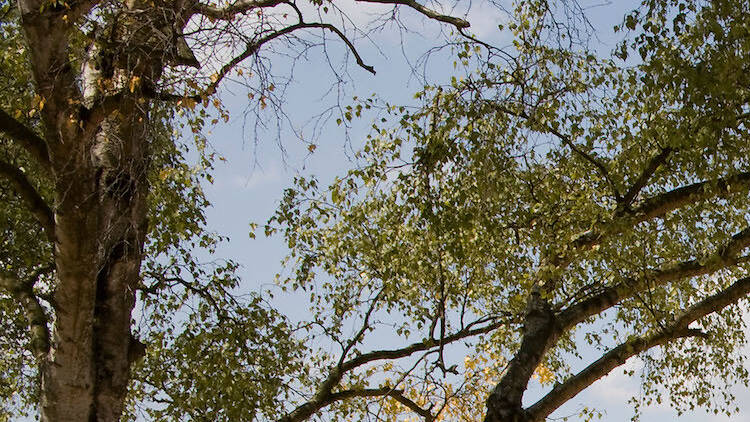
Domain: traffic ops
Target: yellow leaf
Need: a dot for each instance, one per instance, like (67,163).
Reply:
(134,82)
(543,374)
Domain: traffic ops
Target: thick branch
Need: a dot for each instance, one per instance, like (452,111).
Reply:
(35,203)
(723,257)
(661,204)
(23,293)
(29,140)
(457,22)
(230,11)
(101,110)
(617,356)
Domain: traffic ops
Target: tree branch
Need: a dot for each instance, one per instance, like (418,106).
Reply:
(457,22)
(397,395)
(661,204)
(230,11)
(23,292)
(426,344)
(336,373)
(642,180)
(724,257)
(30,141)
(101,109)
(566,140)
(35,203)
(618,355)
(251,49)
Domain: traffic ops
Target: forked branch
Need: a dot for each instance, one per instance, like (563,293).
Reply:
(618,355)
(457,22)
(325,394)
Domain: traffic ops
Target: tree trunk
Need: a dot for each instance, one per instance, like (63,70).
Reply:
(540,332)
(95,128)
(100,231)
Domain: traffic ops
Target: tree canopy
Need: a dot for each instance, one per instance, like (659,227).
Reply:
(102,204)
(558,201)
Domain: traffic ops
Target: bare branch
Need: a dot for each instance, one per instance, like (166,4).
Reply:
(252,48)
(618,355)
(26,137)
(35,203)
(230,11)
(23,292)
(457,22)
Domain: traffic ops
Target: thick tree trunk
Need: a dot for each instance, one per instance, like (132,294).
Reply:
(101,227)
(95,129)
(540,332)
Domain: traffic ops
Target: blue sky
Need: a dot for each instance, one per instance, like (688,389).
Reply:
(249,185)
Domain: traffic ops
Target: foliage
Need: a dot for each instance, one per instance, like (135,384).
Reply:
(592,204)
(557,202)
(102,162)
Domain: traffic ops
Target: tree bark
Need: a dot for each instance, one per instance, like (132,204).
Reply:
(99,164)
(540,332)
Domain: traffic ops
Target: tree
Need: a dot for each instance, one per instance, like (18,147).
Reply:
(98,199)
(555,203)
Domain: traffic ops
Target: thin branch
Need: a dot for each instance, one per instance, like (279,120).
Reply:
(365,326)
(252,48)
(26,137)
(35,203)
(23,292)
(643,179)
(457,22)
(618,355)
(567,141)
(397,395)
(427,343)
(323,395)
